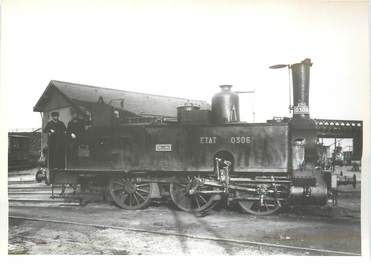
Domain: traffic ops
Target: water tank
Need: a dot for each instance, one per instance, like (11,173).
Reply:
(225,106)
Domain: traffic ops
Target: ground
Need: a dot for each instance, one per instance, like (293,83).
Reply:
(162,229)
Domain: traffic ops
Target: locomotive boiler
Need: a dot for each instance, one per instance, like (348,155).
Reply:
(204,156)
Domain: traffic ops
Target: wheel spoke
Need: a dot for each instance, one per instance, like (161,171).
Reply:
(140,195)
(202,197)
(136,199)
(119,183)
(145,191)
(197,202)
(142,185)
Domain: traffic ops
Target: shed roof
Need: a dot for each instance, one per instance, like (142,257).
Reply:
(138,103)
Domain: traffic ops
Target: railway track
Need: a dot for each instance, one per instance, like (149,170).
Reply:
(23,190)
(207,238)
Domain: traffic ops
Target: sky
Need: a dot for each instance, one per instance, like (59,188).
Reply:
(187,49)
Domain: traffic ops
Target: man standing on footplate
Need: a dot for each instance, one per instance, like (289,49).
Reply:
(56,141)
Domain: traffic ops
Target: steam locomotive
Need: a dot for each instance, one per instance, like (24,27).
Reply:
(204,156)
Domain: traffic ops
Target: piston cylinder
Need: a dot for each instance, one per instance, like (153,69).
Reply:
(312,195)
(225,106)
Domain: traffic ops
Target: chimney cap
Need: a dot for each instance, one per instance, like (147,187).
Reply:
(226,87)
(307,61)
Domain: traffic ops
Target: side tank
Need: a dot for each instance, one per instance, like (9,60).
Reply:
(225,106)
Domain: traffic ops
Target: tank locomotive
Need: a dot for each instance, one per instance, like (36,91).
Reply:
(205,156)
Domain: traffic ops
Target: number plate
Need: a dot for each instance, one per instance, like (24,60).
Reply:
(163,147)
(301,109)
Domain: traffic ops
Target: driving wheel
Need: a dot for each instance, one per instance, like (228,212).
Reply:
(187,194)
(129,194)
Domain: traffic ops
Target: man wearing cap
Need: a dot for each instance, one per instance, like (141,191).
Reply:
(75,128)
(56,145)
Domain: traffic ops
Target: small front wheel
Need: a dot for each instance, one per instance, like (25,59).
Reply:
(261,206)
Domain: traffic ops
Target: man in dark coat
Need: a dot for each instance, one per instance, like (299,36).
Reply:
(56,144)
(75,129)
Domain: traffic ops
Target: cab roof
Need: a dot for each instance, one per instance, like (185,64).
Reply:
(60,94)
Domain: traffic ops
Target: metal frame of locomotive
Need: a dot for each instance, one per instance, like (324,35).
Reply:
(206,156)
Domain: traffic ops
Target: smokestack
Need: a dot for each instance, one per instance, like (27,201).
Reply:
(300,81)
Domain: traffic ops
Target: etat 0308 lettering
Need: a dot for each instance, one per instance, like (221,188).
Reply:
(240,139)
(232,140)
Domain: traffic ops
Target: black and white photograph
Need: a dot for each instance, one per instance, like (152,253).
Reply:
(186,128)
